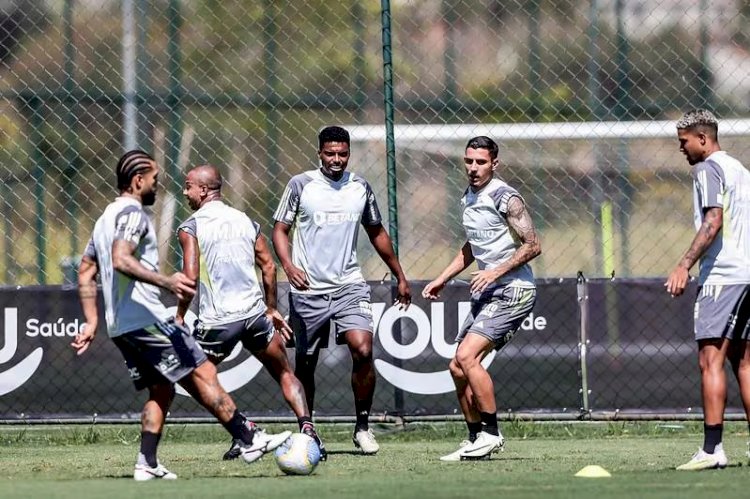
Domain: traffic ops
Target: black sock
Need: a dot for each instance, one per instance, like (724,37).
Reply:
(712,437)
(363,420)
(305,421)
(474,428)
(240,428)
(489,423)
(149,442)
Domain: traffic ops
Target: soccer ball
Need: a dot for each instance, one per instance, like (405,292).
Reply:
(298,455)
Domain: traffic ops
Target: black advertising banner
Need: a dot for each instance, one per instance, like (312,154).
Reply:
(632,323)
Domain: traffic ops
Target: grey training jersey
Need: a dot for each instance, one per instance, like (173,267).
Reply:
(722,181)
(129,304)
(492,242)
(327,215)
(229,289)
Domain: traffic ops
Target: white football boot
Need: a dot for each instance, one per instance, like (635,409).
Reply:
(456,455)
(483,446)
(145,472)
(262,443)
(702,460)
(365,440)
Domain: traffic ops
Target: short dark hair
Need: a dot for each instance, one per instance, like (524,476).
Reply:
(483,142)
(700,120)
(332,134)
(131,164)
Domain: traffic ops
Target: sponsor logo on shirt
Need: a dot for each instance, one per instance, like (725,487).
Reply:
(481,235)
(335,218)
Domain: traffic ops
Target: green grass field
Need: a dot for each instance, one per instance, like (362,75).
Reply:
(539,461)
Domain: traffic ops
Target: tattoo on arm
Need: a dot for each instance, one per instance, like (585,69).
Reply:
(125,262)
(520,222)
(712,222)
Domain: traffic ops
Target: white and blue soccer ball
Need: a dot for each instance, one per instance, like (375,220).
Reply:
(298,455)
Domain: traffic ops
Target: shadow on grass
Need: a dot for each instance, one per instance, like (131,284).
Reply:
(349,452)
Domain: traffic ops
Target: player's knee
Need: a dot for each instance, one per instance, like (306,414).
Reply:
(710,363)
(362,354)
(455,369)
(465,360)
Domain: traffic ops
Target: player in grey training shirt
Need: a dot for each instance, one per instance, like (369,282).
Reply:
(501,237)
(721,199)
(221,247)
(158,353)
(327,207)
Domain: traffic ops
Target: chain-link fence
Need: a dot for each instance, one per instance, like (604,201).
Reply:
(581,95)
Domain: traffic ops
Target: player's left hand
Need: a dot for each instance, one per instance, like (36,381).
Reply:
(83,339)
(481,279)
(403,299)
(677,281)
(279,324)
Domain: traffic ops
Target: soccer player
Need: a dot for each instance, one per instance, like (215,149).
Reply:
(221,247)
(327,287)
(157,351)
(502,239)
(721,200)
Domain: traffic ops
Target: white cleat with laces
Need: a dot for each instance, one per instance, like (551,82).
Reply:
(483,446)
(365,440)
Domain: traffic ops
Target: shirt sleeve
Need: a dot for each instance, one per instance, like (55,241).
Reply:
(131,224)
(189,226)
(371,213)
(502,196)
(256,226)
(90,250)
(709,185)
(289,204)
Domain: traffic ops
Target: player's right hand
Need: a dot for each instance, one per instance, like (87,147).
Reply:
(83,340)
(297,277)
(433,289)
(677,281)
(181,285)
(279,324)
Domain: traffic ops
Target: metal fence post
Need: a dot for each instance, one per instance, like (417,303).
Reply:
(390,146)
(270,112)
(175,107)
(72,162)
(360,79)
(39,162)
(704,74)
(623,107)
(583,342)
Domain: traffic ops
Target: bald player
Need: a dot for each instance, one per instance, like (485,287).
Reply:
(157,351)
(221,247)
